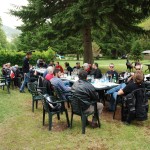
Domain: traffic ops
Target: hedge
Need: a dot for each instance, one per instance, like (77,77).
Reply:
(15,57)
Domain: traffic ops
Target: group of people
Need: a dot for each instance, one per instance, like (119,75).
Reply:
(12,73)
(82,88)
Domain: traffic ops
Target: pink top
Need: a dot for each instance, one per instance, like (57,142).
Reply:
(49,76)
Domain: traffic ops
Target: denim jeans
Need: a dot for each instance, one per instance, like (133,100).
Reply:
(26,80)
(114,93)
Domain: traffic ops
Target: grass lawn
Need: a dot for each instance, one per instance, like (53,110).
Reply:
(22,129)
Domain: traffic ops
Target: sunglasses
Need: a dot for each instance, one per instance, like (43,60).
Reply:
(111,66)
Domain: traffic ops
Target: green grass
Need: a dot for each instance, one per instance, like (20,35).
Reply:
(22,129)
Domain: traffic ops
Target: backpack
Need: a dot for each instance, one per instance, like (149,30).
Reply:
(135,106)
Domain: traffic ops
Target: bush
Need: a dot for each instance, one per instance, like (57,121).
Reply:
(15,57)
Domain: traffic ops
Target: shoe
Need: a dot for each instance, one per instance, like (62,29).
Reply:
(22,91)
(94,123)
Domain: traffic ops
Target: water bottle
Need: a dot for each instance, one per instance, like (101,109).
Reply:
(114,78)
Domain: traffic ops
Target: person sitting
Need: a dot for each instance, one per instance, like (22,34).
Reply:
(69,69)
(129,65)
(77,66)
(114,90)
(57,82)
(44,64)
(50,74)
(96,71)
(87,68)
(86,91)
(111,72)
(59,67)
(52,64)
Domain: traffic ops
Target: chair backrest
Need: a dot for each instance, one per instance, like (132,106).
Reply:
(140,103)
(76,105)
(48,87)
(31,87)
(40,81)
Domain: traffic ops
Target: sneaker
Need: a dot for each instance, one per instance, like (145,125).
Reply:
(22,91)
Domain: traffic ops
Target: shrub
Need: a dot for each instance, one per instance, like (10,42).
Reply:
(15,57)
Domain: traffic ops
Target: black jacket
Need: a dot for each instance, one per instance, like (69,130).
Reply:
(97,73)
(85,91)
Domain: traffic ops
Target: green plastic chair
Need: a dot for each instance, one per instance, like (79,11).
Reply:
(76,108)
(36,96)
(51,112)
(3,83)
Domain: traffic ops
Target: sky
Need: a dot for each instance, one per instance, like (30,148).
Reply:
(7,19)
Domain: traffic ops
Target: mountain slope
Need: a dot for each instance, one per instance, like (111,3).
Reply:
(10,32)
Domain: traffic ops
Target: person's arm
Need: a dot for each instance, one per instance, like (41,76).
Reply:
(62,86)
(120,92)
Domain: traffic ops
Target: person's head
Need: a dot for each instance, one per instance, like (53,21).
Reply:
(52,62)
(138,67)
(82,75)
(29,55)
(57,73)
(8,65)
(111,66)
(50,70)
(66,64)
(77,64)
(95,66)
(138,77)
(85,66)
(57,64)
(16,66)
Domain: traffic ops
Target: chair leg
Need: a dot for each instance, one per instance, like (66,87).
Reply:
(32,105)
(43,116)
(58,116)
(71,119)
(36,104)
(83,124)
(50,121)
(68,122)
(115,111)
(98,120)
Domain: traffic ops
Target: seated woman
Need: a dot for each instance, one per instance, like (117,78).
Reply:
(136,83)
(50,74)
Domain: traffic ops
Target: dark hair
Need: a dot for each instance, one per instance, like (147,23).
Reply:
(77,63)
(82,75)
(56,71)
(57,62)
(96,64)
(29,53)
(66,64)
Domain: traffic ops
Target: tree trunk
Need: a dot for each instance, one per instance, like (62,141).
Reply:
(78,56)
(87,43)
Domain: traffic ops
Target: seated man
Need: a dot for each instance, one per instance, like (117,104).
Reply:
(96,71)
(86,91)
(111,72)
(77,68)
(58,83)
(87,68)
(69,69)
(57,66)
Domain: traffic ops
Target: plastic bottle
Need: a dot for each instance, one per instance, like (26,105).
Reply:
(114,78)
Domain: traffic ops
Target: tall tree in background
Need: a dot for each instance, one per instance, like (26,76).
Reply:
(68,17)
(3,40)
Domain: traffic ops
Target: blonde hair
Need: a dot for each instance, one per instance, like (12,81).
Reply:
(138,77)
